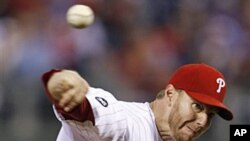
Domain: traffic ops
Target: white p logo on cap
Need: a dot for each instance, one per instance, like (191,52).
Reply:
(221,84)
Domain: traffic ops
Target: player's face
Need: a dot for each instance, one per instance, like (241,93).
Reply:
(188,118)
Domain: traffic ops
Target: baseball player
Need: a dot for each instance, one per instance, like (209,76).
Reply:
(181,112)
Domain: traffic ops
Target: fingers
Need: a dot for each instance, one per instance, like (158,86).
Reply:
(66,98)
(58,85)
(70,100)
(62,87)
(70,106)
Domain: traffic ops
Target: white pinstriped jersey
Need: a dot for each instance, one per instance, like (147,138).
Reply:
(114,121)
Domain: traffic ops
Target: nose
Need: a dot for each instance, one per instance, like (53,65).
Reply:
(202,119)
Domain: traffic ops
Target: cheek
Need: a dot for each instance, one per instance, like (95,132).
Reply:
(179,116)
(175,118)
(162,119)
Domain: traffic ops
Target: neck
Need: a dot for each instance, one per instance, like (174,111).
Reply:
(163,130)
(151,105)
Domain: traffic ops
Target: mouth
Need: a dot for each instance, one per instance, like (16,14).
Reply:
(166,136)
(195,131)
(191,130)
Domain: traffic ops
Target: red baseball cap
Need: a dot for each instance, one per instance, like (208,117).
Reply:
(204,84)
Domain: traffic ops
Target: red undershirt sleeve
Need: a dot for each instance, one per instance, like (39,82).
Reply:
(81,113)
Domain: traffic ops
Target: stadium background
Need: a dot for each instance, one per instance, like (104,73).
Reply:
(130,50)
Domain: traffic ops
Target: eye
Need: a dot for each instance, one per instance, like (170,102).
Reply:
(197,107)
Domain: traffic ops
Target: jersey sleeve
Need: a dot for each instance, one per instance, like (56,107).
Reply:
(82,112)
(108,113)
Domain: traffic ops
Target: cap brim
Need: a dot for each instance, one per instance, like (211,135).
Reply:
(224,112)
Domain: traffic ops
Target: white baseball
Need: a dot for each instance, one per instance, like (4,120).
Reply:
(80,16)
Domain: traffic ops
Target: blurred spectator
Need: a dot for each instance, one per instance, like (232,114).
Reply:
(220,44)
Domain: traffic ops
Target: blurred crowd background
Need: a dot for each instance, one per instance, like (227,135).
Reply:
(131,49)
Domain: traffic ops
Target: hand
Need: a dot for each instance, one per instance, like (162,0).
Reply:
(68,88)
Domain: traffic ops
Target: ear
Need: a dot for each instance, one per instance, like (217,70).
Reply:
(170,92)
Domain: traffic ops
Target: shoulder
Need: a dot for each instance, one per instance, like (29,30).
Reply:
(103,103)
(136,109)
(100,98)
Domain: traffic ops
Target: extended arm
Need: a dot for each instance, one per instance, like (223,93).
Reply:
(67,89)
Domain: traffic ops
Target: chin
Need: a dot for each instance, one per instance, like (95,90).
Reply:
(184,137)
